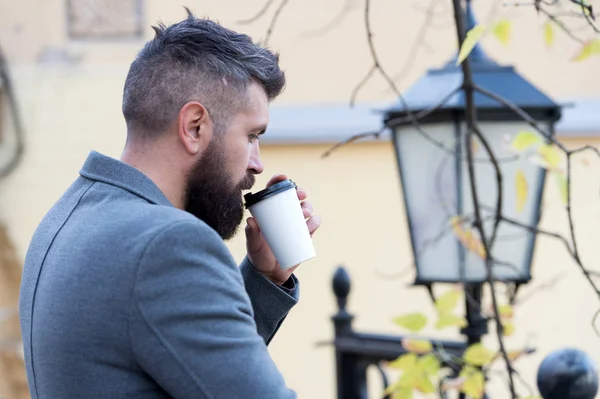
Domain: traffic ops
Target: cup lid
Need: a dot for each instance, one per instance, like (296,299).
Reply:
(276,188)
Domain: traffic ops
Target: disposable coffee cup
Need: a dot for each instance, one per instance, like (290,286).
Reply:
(278,213)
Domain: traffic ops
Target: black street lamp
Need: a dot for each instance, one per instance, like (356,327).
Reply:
(435,180)
(436,188)
(433,169)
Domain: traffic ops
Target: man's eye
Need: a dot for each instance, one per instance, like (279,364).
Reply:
(253,137)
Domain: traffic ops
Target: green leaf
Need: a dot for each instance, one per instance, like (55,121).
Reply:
(424,384)
(589,48)
(450,320)
(508,328)
(502,31)
(471,40)
(448,301)
(478,355)
(392,388)
(409,378)
(404,362)
(474,383)
(505,310)
(429,364)
(413,322)
(525,140)
(418,346)
(403,393)
(551,156)
(549,33)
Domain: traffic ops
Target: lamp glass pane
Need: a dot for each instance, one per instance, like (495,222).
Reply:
(436,187)
(522,180)
(428,174)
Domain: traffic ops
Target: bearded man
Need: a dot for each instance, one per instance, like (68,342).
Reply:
(128,289)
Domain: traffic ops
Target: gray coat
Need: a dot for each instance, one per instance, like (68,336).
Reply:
(125,296)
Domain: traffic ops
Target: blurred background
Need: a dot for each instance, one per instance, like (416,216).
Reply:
(68,59)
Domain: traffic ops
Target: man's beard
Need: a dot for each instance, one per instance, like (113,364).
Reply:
(210,194)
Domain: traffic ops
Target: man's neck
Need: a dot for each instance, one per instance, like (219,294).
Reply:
(166,173)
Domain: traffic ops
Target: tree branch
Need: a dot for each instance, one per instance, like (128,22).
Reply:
(262,12)
(274,21)
(333,23)
(360,84)
(471,116)
(417,43)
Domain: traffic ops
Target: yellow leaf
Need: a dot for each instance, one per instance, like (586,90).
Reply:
(514,355)
(392,388)
(418,346)
(429,364)
(561,180)
(478,355)
(474,383)
(447,302)
(471,40)
(502,31)
(424,384)
(403,393)
(549,33)
(467,238)
(524,140)
(505,310)
(521,187)
(404,362)
(509,328)
(450,320)
(550,155)
(475,145)
(413,322)
(590,48)
(409,378)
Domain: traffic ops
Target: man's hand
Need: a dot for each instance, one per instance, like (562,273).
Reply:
(259,253)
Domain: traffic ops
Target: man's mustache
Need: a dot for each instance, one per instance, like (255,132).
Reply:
(248,182)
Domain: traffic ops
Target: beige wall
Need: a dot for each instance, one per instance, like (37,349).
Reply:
(72,107)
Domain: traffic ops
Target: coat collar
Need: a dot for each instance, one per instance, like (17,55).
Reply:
(108,170)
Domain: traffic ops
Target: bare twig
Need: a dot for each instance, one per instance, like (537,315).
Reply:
(546,285)
(348,4)
(262,12)
(411,118)
(561,25)
(274,20)
(517,110)
(360,84)
(471,116)
(418,42)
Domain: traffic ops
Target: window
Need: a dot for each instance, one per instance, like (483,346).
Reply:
(92,19)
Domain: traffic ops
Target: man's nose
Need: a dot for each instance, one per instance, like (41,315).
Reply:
(255,165)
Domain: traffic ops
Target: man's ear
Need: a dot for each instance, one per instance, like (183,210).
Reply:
(195,128)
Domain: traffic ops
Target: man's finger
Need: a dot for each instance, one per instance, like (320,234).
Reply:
(276,179)
(301,193)
(307,209)
(313,224)
(251,227)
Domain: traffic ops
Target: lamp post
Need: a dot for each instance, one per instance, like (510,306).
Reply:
(436,185)
(432,165)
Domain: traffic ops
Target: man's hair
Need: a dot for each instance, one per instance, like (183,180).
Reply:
(195,60)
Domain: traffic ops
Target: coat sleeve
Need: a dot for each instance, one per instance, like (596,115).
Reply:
(270,302)
(192,326)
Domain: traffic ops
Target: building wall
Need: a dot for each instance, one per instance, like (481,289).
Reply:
(70,90)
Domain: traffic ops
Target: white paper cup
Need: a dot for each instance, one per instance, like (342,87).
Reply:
(278,213)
